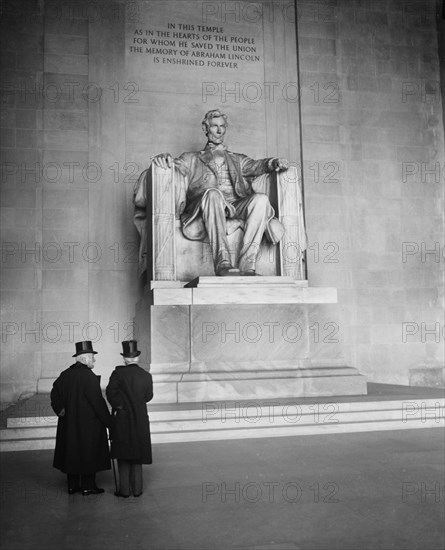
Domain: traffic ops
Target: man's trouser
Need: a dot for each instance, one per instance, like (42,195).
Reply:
(130,477)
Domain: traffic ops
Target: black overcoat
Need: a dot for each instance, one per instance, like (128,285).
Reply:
(81,440)
(128,391)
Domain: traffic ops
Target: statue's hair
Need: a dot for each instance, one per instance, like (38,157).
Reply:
(214,113)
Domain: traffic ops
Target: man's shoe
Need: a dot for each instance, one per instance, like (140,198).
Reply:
(118,494)
(95,491)
(73,490)
(225,269)
(138,495)
(248,273)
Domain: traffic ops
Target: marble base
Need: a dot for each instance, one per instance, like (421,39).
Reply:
(259,384)
(432,377)
(218,349)
(241,290)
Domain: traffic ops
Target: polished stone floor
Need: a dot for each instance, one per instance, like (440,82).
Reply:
(377,490)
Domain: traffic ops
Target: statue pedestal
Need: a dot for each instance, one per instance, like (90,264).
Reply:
(228,338)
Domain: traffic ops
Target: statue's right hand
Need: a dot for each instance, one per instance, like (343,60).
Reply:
(163,160)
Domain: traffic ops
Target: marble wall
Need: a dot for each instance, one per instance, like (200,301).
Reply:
(373,150)
(82,114)
(86,111)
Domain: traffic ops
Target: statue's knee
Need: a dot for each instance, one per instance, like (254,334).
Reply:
(260,200)
(212,195)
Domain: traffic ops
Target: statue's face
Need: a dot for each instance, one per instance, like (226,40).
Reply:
(217,130)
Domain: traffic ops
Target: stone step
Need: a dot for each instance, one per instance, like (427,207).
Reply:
(219,421)
(251,410)
(47,443)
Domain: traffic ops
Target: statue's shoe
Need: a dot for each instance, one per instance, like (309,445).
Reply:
(227,270)
(250,273)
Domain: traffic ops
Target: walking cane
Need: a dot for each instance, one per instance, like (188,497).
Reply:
(112,463)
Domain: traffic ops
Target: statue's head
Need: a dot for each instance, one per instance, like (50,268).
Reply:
(215,125)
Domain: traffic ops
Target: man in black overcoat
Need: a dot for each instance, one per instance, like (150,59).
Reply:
(128,391)
(81,440)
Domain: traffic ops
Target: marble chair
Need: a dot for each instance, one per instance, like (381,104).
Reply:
(167,255)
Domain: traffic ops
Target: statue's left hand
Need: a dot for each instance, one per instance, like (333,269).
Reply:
(279,165)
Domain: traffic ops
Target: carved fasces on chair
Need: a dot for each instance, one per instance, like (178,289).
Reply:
(291,215)
(163,224)
(289,200)
(159,199)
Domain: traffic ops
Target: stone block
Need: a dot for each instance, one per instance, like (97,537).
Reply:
(245,333)
(7,216)
(7,137)
(66,43)
(25,118)
(8,60)
(73,279)
(26,139)
(62,217)
(73,300)
(66,64)
(66,120)
(53,363)
(8,118)
(321,133)
(60,198)
(30,61)
(19,299)
(25,279)
(169,334)
(56,24)
(64,90)
(19,157)
(257,386)
(65,140)
(20,239)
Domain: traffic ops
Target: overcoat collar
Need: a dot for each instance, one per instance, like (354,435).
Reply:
(124,366)
(78,365)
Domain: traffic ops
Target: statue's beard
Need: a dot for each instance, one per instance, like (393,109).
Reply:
(214,139)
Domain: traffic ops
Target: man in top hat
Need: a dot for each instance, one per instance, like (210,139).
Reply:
(81,440)
(128,391)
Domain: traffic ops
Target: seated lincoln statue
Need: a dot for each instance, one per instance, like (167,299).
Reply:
(219,198)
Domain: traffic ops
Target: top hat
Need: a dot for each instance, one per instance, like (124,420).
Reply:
(130,348)
(84,347)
